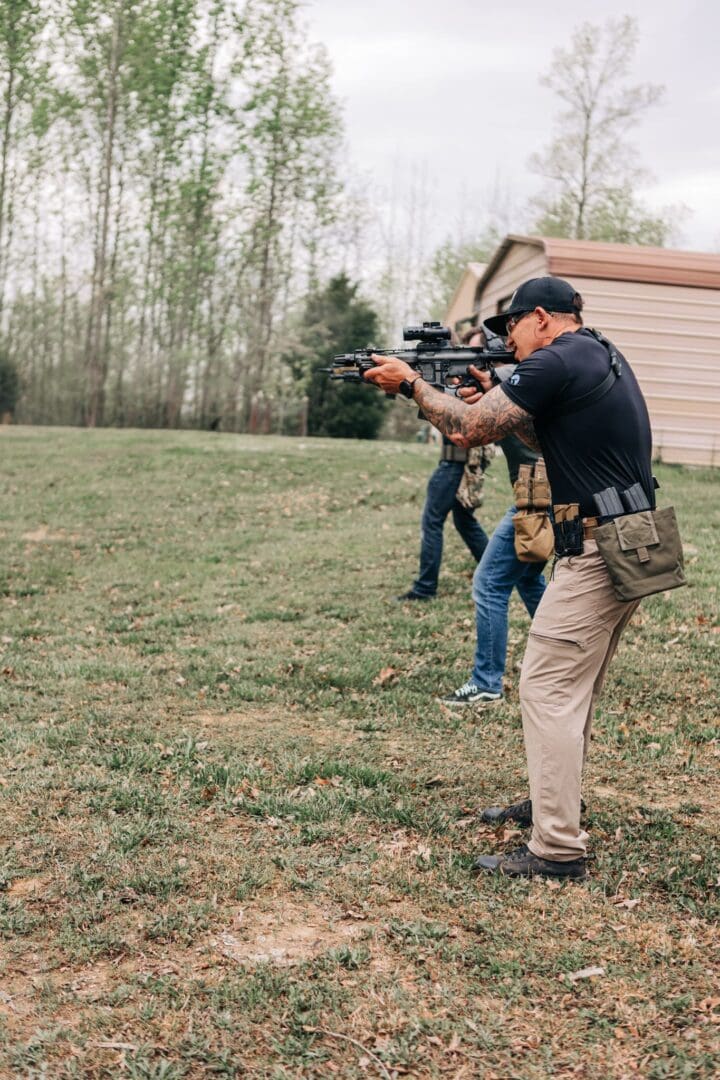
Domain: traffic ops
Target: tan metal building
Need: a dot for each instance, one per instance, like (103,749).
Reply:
(660,307)
(462,304)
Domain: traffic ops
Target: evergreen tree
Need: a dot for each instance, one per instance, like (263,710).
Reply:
(9,385)
(335,321)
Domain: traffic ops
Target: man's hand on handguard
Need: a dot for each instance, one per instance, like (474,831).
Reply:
(389,373)
(471,394)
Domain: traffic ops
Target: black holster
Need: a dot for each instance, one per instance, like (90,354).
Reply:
(568,537)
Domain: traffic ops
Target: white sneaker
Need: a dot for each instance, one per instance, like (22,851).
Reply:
(469,694)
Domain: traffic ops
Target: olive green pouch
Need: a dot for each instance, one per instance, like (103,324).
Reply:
(643,553)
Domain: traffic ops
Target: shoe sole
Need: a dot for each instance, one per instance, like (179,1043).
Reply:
(574,875)
(466,704)
(478,870)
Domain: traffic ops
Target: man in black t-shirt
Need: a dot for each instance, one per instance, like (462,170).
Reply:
(575,400)
(605,444)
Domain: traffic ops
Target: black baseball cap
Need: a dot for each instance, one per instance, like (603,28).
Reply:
(551,293)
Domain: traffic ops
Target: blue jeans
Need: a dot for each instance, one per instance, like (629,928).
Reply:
(498,573)
(440,500)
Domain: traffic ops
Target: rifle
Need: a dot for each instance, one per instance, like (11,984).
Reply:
(440,363)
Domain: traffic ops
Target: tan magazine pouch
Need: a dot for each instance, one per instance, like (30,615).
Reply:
(534,538)
(643,553)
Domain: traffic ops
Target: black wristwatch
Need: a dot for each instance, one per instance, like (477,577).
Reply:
(406,386)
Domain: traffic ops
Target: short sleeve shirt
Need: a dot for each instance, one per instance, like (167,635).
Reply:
(606,444)
(516,453)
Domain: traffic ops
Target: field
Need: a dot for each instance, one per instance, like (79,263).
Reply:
(237,826)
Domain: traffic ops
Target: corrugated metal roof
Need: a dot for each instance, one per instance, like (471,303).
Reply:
(620,262)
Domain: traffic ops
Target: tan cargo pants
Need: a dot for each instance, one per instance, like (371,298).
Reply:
(572,640)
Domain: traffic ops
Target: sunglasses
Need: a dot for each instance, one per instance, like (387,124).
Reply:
(514,320)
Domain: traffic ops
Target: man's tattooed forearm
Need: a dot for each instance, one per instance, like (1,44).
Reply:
(526,432)
(489,420)
(444,411)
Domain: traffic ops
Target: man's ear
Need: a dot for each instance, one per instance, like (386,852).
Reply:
(542,317)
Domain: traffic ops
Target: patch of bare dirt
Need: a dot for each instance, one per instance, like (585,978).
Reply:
(27,887)
(671,794)
(43,535)
(287,935)
(269,721)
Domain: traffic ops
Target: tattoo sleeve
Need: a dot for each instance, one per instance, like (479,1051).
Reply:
(488,420)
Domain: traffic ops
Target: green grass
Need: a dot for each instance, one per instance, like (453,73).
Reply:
(231,847)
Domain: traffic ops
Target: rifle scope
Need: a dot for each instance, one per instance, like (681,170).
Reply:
(432,332)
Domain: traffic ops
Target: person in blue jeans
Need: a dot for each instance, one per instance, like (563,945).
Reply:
(440,501)
(497,574)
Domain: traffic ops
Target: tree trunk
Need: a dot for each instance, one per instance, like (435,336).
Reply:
(95,362)
(4,158)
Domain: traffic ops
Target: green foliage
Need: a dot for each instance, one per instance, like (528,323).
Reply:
(21,26)
(290,143)
(9,384)
(335,321)
(591,165)
(449,262)
(617,218)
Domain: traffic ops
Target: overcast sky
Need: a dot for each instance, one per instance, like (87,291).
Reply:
(450,88)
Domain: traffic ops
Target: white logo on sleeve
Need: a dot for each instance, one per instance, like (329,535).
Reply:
(514,380)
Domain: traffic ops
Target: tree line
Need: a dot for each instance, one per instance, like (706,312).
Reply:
(166,186)
(170,196)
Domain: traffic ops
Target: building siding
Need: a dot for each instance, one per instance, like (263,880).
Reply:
(670,334)
(521,262)
(462,304)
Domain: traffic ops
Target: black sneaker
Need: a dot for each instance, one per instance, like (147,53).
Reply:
(522,863)
(469,694)
(412,595)
(520,813)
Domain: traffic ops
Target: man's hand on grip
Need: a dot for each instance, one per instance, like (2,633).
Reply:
(470,394)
